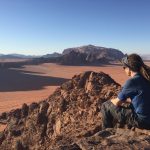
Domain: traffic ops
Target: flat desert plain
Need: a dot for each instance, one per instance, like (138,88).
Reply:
(36,82)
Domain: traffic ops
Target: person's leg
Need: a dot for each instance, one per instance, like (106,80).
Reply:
(130,117)
(108,110)
(143,125)
(112,114)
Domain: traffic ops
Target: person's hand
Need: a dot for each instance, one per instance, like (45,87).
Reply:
(128,100)
(116,101)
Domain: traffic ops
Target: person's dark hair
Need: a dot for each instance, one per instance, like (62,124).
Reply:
(136,64)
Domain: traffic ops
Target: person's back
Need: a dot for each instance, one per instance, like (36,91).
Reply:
(141,100)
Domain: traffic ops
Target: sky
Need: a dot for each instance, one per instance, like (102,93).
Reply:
(37,27)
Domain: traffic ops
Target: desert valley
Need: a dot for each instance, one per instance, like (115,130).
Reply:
(35,82)
(49,97)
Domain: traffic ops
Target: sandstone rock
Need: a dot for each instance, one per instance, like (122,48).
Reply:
(24,110)
(63,105)
(33,106)
(70,119)
(20,146)
(58,127)
(15,113)
(41,118)
(2,137)
(3,116)
(15,133)
(44,107)
(114,139)
(67,86)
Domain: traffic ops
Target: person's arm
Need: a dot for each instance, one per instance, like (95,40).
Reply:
(127,92)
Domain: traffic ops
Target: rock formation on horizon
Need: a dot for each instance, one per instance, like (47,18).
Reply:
(146,57)
(84,55)
(53,55)
(90,55)
(70,119)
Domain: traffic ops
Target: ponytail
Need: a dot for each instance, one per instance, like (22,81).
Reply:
(145,72)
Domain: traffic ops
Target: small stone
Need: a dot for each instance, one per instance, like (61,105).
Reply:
(58,127)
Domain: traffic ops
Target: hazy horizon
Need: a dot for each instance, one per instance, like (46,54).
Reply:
(60,52)
(42,27)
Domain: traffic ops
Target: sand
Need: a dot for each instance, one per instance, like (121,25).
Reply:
(37,82)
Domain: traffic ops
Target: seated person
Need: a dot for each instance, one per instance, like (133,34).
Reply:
(137,89)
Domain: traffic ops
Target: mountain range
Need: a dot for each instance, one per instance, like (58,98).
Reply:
(145,56)
(52,55)
(16,56)
(83,55)
(76,55)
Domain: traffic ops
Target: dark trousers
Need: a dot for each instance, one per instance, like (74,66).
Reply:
(118,115)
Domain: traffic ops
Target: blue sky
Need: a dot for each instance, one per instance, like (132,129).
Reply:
(43,26)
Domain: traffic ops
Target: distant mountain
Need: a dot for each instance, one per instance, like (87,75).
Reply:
(84,55)
(146,56)
(20,56)
(90,54)
(16,56)
(52,55)
(9,56)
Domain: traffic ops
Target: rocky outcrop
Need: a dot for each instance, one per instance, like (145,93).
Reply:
(90,55)
(70,119)
(116,139)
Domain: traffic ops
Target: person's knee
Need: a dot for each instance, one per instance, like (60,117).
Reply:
(105,105)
